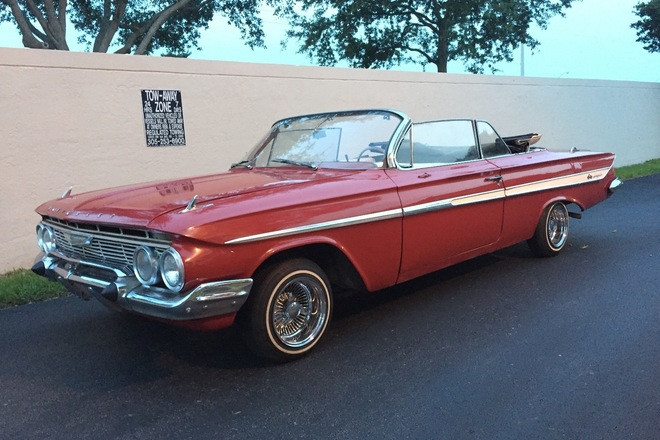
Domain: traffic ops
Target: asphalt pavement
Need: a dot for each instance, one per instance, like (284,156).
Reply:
(505,346)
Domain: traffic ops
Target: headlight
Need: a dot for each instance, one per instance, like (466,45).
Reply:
(40,236)
(171,269)
(145,265)
(46,238)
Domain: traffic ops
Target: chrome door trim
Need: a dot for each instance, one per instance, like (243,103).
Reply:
(436,205)
(349,221)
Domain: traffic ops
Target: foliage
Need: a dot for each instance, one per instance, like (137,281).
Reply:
(130,26)
(22,286)
(640,170)
(648,27)
(383,33)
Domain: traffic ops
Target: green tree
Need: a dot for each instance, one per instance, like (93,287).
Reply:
(383,33)
(648,27)
(129,26)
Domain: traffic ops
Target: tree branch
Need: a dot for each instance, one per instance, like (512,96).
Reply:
(160,18)
(103,27)
(104,39)
(44,37)
(50,10)
(130,41)
(29,40)
(423,19)
(53,26)
(61,15)
(421,52)
(38,15)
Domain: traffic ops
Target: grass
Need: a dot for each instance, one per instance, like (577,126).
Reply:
(639,170)
(22,286)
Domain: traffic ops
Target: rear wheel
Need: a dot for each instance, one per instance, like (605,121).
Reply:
(552,231)
(288,310)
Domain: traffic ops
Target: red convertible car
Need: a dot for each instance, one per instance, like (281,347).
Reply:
(354,199)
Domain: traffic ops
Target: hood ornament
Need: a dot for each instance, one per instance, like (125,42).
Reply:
(191,204)
(66,193)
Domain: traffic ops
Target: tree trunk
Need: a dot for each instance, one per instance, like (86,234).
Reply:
(441,64)
(442,53)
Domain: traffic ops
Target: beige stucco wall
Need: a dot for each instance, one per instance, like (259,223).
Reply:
(75,119)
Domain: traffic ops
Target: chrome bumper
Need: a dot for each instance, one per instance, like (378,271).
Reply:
(119,289)
(616,183)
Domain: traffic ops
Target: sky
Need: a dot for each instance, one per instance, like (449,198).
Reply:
(593,41)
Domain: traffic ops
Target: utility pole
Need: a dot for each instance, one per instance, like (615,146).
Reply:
(522,59)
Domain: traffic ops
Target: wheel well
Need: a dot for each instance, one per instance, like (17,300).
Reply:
(568,203)
(335,264)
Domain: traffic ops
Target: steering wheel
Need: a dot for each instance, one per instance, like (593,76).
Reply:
(373,149)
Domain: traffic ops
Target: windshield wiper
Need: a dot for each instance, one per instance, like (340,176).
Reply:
(294,162)
(244,163)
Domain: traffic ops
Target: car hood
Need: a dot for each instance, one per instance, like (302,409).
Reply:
(137,205)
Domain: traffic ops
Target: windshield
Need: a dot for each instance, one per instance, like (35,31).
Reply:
(333,140)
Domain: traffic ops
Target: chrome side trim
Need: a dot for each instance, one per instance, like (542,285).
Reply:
(436,205)
(366,218)
(456,201)
(558,182)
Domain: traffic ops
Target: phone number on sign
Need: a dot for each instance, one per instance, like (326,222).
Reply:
(165,142)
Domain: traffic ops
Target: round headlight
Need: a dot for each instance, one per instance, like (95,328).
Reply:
(171,269)
(40,236)
(145,265)
(46,239)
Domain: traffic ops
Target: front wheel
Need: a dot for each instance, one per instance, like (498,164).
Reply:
(288,310)
(551,232)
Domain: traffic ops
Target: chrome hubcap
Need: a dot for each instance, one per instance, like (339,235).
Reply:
(299,310)
(557,228)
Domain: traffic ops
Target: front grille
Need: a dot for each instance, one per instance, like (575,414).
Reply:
(102,243)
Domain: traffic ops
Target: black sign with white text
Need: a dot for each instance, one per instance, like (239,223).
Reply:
(163,118)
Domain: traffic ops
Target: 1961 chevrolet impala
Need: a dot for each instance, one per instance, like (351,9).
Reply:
(355,199)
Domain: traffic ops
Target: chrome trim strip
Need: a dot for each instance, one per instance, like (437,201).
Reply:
(558,182)
(479,197)
(456,201)
(427,207)
(436,205)
(366,218)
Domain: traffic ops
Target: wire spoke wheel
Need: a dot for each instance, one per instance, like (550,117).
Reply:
(551,232)
(299,309)
(557,226)
(288,311)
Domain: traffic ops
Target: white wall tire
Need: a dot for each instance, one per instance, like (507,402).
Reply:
(288,311)
(551,233)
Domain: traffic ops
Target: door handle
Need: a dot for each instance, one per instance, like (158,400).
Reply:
(494,179)
(423,176)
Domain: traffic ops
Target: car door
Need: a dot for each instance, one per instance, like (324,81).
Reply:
(452,199)
(528,179)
